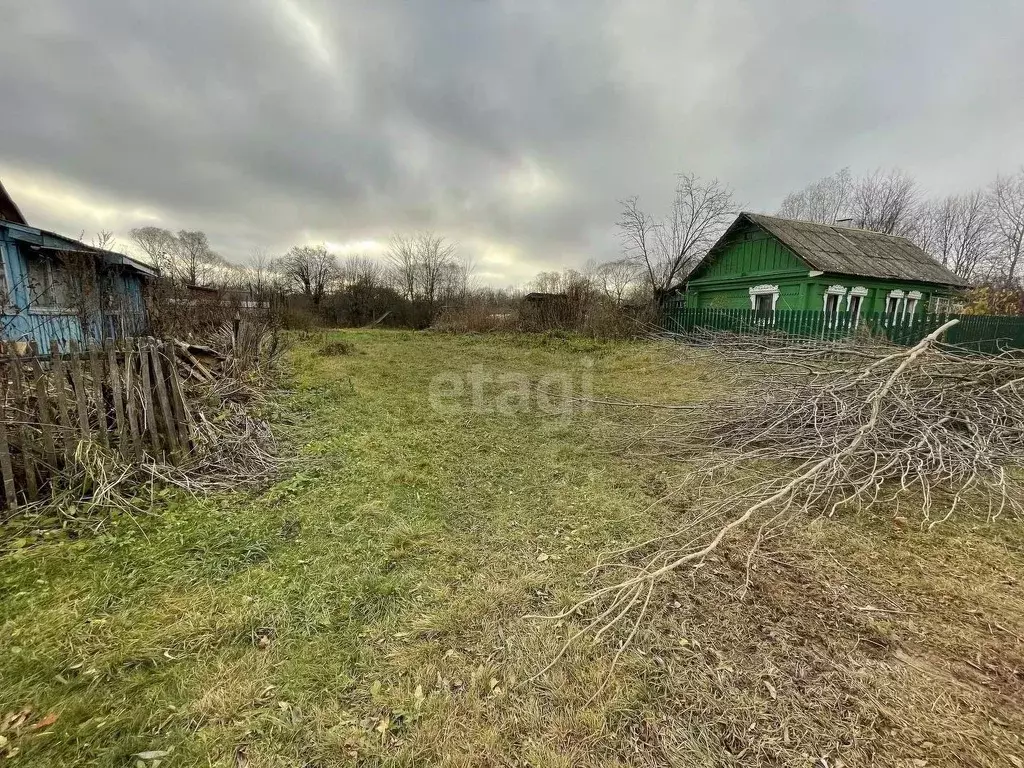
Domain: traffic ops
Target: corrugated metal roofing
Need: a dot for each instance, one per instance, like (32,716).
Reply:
(851,251)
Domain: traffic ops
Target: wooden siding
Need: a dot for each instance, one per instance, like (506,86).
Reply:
(753,253)
(119,312)
(755,257)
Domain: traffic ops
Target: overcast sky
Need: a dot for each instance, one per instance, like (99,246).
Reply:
(512,127)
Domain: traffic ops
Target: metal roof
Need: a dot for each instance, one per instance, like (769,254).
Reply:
(42,238)
(851,251)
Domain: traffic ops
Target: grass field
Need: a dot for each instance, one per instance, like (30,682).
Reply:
(369,607)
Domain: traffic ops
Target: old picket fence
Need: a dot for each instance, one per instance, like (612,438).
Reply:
(982,333)
(126,396)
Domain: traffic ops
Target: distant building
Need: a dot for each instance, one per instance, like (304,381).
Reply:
(767,263)
(54,287)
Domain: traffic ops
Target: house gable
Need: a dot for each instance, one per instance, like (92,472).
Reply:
(747,251)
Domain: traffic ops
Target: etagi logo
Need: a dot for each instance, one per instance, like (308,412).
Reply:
(557,394)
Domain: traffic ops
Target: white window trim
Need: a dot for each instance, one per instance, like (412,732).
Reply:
(900,297)
(763,290)
(911,302)
(862,292)
(832,290)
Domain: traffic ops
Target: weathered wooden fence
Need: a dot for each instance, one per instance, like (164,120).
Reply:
(983,333)
(126,396)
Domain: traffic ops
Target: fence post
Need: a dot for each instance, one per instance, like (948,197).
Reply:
(102,422)
(46,427)
(147,397)
(22,432)
(60,381)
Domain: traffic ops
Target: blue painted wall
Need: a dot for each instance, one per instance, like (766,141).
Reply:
(119,311)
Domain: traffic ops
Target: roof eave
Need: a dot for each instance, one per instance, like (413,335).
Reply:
(41,238)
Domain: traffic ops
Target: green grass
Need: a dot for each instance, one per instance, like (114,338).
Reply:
(369,607)
(403,547)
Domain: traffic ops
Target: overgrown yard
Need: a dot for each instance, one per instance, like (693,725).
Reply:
(369,608)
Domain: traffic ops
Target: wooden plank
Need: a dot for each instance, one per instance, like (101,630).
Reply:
(131,399)
(160,385)
(21,433)
(78,382)
(149,412)
(120,425)
(6,469)
(46,425)
(96,370)
(60,383)
(178,398)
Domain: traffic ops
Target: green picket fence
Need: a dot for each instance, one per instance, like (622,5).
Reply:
(983,333)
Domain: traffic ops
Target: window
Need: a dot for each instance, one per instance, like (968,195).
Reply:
(913,298)
(770,292)
(833,299)
(832,304)
(763,303)
(47,283)
(894,304)
(855,302)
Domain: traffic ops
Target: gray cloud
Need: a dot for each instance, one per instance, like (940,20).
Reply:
(512,127)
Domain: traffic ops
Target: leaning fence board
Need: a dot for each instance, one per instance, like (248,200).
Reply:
(160,385)
(96,369)
(22,432)
(115,391)
(43,409)
(178,398)
(6,470)
(131,401)
(147,399)
(78,383)
(60,380)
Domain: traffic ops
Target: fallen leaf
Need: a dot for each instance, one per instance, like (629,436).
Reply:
(771,690)
(15,720)
(153,754)
(46,722)
(542,557)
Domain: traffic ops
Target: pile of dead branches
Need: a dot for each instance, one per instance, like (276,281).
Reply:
(924,432)
(227,383)
(934,426)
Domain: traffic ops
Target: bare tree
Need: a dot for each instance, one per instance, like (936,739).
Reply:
(159,246)
(260,277)
(422,266)
(615,279)
(104,240)
(435,262)
(402,261)
(665,251)
(312,268)
(361,270)
(826,201)
(957,230)
(193,260)
(885,202)
(1006,201)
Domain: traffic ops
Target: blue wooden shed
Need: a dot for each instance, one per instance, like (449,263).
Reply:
(55,287)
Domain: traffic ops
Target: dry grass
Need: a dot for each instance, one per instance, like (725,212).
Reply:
(370,608)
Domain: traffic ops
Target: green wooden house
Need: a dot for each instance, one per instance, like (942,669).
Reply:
(769,264)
